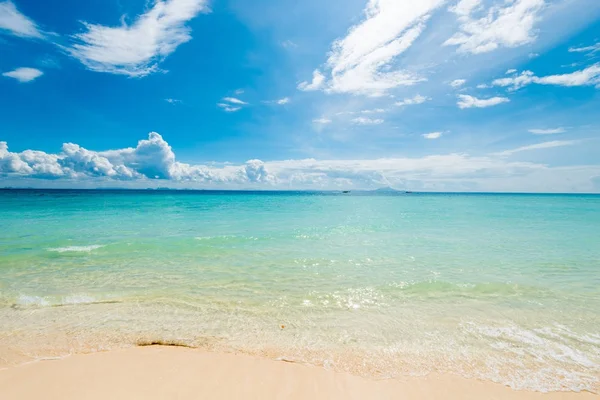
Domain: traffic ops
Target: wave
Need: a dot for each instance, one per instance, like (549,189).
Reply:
(556,358)
(27,301)
(227,238)
(76,249)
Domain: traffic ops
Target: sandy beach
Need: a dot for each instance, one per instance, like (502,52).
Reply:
(181,373)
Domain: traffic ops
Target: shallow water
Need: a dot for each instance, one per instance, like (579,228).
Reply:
(499,287)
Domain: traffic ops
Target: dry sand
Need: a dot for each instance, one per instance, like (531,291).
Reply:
(181,373)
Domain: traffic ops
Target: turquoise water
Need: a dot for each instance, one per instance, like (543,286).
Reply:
(497,287)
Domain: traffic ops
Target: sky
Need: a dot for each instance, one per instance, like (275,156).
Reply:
(434,95)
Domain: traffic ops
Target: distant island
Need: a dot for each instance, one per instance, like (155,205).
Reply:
(390,190)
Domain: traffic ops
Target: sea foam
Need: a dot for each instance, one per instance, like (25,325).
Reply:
(76,249)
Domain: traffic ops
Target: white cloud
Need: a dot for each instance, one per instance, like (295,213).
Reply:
(587,77)
(432,135)
(16,23)
(587,49)
(367,121)
(322,121)
(234,100)
(543,145)
(137,49)
(173,101)
(24,74)
(152,163)
(239,91)
(362,61)
(466,101)
(288,44)
(508,25)
(231,104)
(418,99)
(511,71)
(374,111)
(458,83)
(283,101)
(316,84)
(228,107)
(547,131)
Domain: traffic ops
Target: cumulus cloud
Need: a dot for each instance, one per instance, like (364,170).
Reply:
(24,74)
(432,135)
(136,50)
(418,99)
(537,146)
(367,121)
(505,24)
(317,83)
(547,131)
(361,62)
(466,101)
(152,163)
(589,76)
(15,23)
(458,83)
(151,159)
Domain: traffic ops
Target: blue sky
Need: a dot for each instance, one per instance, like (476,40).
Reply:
(469,95)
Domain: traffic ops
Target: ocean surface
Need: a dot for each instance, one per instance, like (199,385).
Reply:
(500,287)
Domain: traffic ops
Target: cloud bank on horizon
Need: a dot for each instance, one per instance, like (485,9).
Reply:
(446,95)
(153,163)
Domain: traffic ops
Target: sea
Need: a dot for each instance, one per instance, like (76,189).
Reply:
(499,287)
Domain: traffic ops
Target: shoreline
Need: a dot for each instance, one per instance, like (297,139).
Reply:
(159,372)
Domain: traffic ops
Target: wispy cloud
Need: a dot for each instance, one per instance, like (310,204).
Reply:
(14,22)
(432,135)
(547,131)
(322,121)
(586,49)
(136,50)
(239,91)
(458,83)
(173,101)
(587,77)
(234,100)
(508,25)
(367,121)
(543,145)
(418,99)
(24,74)
(288,44)
(361,62)
(228,107)
(466,101)
(374,111)
(280,102)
